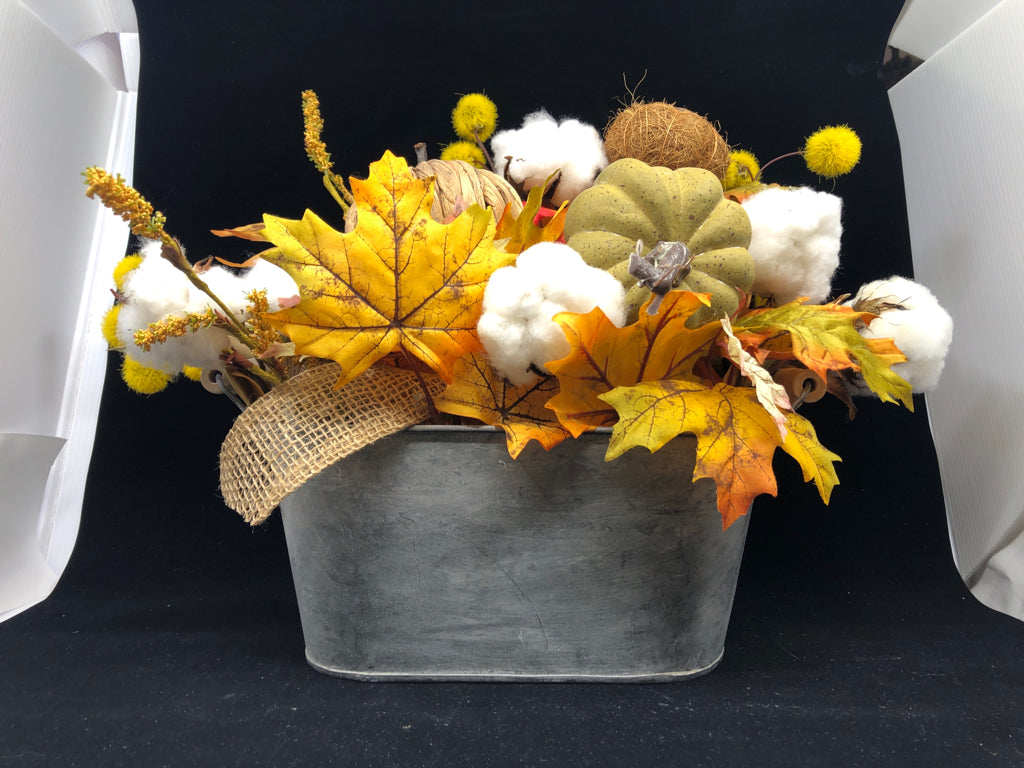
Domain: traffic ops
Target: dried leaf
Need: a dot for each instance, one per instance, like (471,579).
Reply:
(398,281)
(248,232)
(769,393)
(824,338)
(479,392)
(604,357)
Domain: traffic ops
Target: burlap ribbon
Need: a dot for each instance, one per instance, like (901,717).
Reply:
(303,426)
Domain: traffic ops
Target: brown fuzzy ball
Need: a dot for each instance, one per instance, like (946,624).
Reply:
(663,134)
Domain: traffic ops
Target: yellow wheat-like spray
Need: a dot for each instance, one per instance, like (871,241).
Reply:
(316,149)
(173,326)
(262,332)
(126,202)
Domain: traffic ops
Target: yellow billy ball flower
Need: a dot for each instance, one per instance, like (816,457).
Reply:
(110,327)
(743,169)
(139,378)
(475,117)
(124,266)
(832,151)
(192,372)
(465,150)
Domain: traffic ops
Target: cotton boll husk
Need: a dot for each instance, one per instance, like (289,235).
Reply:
(515,326)
(922,330)
(542,146)
(795,240)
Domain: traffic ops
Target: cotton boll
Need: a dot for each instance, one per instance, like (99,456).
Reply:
(200,349)
(795,238)
(582,148)
(516,328)
(282,291)
(921,328)
(530,154)
(504,340)
(156,283)
(224,284)
(156,289)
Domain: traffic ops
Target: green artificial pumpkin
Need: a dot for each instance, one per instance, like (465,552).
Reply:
(633,201)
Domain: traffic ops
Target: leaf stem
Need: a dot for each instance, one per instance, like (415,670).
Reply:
(329,184)
(487,155)
(435,416)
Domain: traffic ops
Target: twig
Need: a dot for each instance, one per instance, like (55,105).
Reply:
(435,417)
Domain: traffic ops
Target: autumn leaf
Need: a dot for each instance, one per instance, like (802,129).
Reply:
(479,392)
(736,437)
(252,232)
(603,357)
(398,281)
(520,232)
(824,338)
(814,459)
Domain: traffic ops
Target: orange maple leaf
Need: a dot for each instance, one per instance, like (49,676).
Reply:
(398,281)
(736,437)
(480,392)
(604,357)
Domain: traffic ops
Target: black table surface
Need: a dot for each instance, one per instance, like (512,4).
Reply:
(173,638)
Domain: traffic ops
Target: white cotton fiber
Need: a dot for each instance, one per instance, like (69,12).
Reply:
(156,289)
(795,236)
(156,284)
(516,326)
(282,292)
(543,146)
(921,328)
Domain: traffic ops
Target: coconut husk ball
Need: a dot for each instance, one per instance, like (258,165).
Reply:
(663,134)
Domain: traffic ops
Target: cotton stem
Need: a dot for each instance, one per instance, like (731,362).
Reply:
(798,153)
(487,155)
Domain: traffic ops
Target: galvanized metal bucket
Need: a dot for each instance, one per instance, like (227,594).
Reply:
(432,555)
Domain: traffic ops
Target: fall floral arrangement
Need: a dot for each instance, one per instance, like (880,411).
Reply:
(647,279)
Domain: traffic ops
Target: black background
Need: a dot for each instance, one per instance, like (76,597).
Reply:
(173,638)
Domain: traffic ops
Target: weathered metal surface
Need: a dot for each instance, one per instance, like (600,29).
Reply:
(432,555)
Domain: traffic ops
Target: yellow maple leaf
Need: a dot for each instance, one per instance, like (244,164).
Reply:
(520,232)
(398,281)
(815,460)
(736,437)
(603,357)
(480,392)
(825,337)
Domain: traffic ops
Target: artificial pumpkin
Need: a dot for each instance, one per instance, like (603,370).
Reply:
(632,201)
